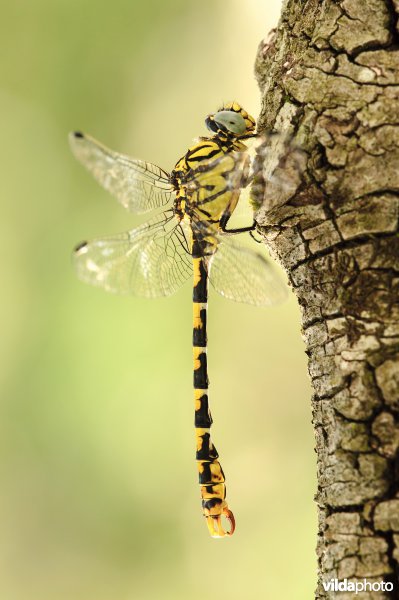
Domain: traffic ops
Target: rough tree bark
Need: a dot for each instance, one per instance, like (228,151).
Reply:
(330,75)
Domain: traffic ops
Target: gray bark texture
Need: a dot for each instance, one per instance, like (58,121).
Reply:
(329,75)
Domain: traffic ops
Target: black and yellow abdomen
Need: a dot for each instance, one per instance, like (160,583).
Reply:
(211,476)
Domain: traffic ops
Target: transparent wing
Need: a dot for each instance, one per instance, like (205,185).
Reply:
(139,186)
(277,164)
(245,275)
(150,261)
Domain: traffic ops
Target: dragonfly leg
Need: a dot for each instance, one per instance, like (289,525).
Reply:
(257,240)
(223,226)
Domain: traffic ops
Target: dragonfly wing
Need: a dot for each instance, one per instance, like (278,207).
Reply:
(150,261)
(139,186)
(244,275)
(277,165)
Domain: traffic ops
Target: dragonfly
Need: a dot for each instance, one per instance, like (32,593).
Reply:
(190,237)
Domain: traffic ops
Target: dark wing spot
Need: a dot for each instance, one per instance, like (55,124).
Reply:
(80,246)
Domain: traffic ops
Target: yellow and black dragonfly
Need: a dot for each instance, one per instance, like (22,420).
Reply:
(190,237)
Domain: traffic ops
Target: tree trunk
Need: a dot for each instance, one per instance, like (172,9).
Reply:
(329,75)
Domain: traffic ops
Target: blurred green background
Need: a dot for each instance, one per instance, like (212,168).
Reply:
(99,499)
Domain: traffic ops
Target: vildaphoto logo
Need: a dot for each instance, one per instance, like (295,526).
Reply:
(343,585)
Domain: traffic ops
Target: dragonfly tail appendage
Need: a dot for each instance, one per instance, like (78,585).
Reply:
(211,476)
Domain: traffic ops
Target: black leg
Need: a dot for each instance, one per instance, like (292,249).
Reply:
(258,241)
(223,226)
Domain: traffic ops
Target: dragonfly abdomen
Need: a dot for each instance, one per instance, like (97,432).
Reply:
(211,476)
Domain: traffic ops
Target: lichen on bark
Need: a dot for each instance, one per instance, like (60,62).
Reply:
(329,76)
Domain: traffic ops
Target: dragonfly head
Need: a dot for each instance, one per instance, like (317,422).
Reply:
(231,121)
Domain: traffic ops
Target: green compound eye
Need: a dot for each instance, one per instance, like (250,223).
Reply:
(230,120)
